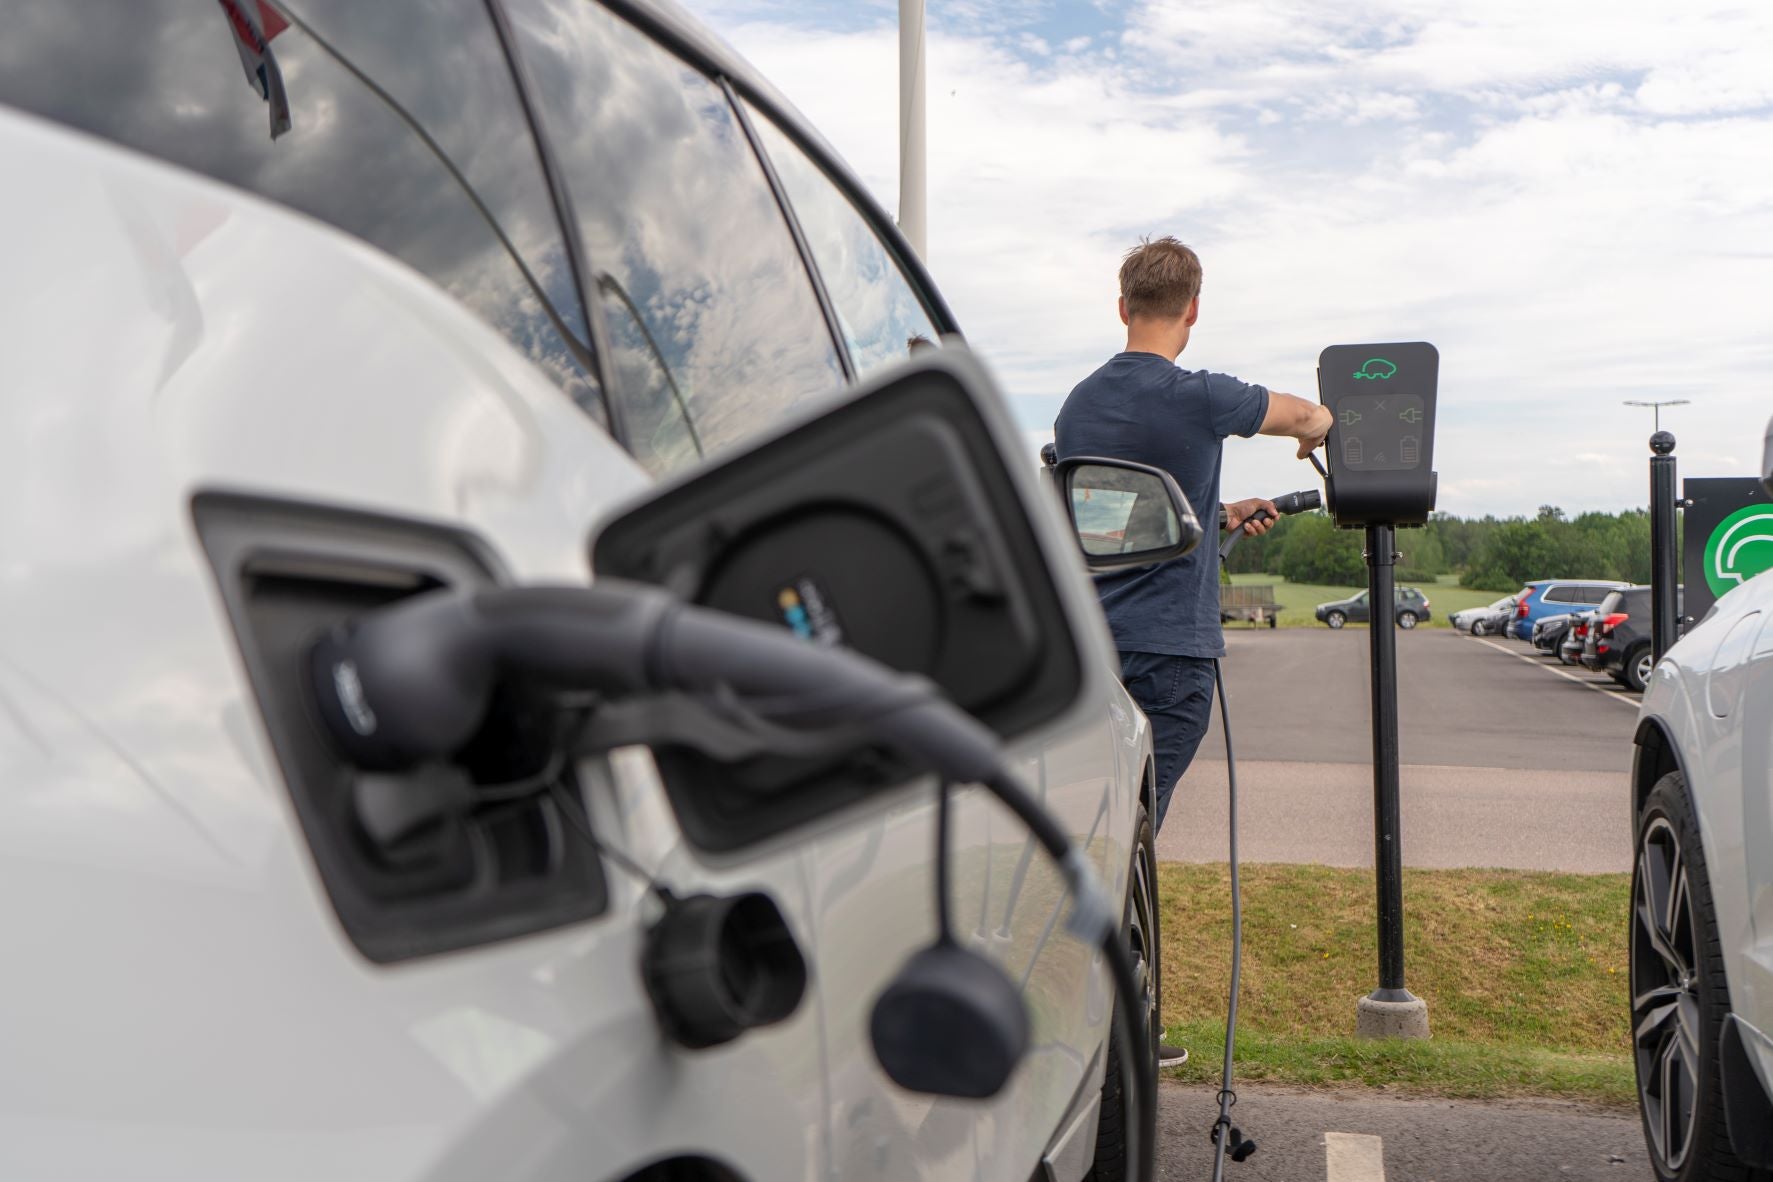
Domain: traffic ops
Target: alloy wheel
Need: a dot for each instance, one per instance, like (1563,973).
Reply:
(1646,665)
(1665,1011)
(1142,938)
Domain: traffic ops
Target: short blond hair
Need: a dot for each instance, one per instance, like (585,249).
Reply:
(1159,277)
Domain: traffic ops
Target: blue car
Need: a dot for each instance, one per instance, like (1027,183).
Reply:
(1551,597)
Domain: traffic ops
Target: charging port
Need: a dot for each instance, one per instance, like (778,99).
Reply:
(445,856)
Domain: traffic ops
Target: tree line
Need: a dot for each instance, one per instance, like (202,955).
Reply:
(1487,553)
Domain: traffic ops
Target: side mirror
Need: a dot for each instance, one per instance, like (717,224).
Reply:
(1125,514)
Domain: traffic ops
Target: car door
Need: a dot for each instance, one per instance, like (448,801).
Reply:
(1358,609)
(341,357)
(1754,734)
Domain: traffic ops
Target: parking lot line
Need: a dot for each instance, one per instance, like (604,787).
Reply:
(1354,1157)
(1628,699)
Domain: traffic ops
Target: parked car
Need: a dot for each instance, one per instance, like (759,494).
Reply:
(1549,631)
(1462,621)
(418,299)
(1701,922)
(1494,621)
(1411,609)
(1547,597)
(1619,641)
(1570,648)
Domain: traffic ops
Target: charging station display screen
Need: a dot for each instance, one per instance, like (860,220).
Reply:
(1381,432)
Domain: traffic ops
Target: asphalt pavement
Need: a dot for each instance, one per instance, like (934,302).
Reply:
(1369,1136)
(1508,760)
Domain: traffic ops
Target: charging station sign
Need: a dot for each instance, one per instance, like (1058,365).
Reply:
(1728,538)
(1381,449)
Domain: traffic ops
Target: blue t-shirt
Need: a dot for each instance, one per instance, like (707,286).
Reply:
(1141,407)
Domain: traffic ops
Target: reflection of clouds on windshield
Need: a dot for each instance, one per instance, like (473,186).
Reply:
(879,311)
(163,76)
(677,214)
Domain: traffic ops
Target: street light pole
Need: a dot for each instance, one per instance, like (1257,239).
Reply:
(1657,407)
(913,198)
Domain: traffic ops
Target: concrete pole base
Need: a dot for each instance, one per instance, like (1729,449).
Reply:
(1396,1014)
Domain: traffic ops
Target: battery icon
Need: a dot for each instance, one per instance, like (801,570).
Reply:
(1352,452)
(1408,450)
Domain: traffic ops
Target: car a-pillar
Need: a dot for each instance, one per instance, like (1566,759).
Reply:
(1380,477)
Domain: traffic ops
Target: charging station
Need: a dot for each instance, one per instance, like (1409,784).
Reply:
(1381,476)
(1381,450)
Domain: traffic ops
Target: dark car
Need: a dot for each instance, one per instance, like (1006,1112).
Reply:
(1618,642)
(1412,609)
(1549,631)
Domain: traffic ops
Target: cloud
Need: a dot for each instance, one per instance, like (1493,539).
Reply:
(1569,200)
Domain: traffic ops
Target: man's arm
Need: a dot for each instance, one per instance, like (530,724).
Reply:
(1292,417)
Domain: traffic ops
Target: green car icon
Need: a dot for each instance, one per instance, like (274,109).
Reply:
(1376,369)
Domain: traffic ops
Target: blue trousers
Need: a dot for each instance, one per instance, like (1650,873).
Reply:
(1176,694)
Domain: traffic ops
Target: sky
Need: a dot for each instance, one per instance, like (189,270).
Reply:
(1572,200)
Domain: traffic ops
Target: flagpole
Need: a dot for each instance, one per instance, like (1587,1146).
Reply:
(913,196)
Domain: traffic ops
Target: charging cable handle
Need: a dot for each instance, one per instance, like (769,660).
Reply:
(1287,504)
(413,682)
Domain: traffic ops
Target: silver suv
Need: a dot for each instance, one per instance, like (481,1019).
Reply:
(1702,895)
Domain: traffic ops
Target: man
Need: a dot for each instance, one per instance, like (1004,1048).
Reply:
(1141,406)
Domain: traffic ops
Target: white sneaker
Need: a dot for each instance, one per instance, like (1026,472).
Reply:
(1169,1056)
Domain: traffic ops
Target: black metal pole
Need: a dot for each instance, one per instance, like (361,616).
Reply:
(1664,554)
(1387,850)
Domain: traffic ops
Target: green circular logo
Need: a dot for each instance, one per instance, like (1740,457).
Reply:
(1740,548)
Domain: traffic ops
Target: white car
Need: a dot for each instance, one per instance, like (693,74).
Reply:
(1702,894)
(313,305)
(1463,620)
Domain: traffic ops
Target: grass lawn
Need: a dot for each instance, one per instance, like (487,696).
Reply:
(1524,974)
(1298,600)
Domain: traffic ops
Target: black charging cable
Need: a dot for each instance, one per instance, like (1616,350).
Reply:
(1227,1137)
(944,928)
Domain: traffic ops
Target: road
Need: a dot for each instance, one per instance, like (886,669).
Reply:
(1364,1136)
(1508,760)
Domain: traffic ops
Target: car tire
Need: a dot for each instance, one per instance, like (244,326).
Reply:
(1679,997)
(1140,931)
(1335,619)
(1406,620)
(1634,674)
